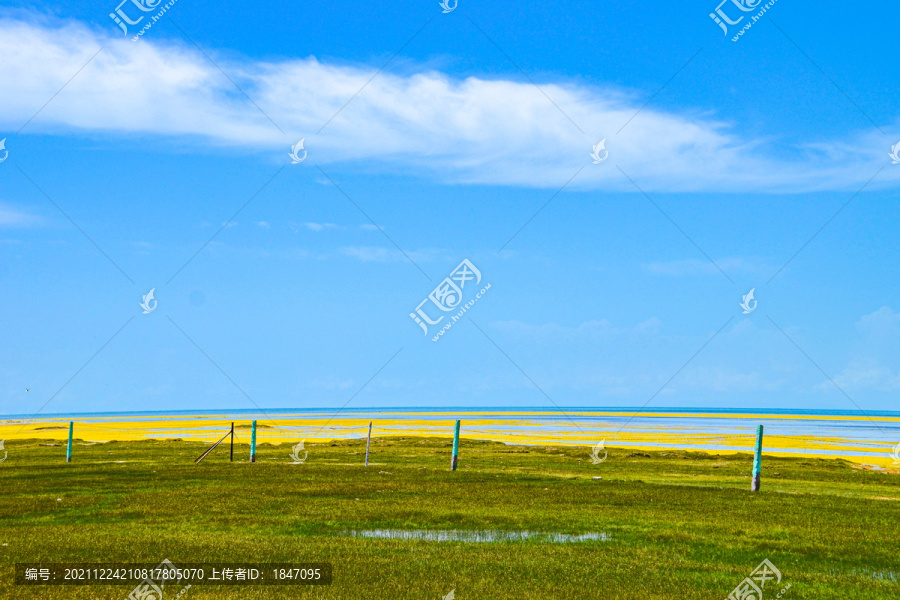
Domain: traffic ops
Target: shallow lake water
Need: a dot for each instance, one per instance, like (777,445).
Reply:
(454,535)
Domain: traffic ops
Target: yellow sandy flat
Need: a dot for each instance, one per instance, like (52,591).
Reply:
(722,436)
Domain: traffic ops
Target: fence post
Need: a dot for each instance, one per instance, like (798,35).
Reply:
(757,460)
(455,447)
(253,443)
(368,441)
(69,446)
(232,442)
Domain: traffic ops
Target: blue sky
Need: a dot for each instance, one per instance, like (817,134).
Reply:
(164,163)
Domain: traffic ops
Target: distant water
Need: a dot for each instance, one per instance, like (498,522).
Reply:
(485,411)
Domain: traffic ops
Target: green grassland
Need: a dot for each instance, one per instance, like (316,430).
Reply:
(680,525)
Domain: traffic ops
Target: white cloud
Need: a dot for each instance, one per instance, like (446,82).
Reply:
(705,267)
(883,321)
(371,253)
(331,383)
(866,377)
(383,254)
(726,379)
(586,331)
(319,226)
(875,359)
(368,253)
(10,217)
(471,130)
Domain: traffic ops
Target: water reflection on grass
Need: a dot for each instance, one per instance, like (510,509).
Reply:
(454,535)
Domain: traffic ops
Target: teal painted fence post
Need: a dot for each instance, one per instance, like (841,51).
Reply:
(69,446)
(368,441)
(757,460)
(253,443)
(455,447)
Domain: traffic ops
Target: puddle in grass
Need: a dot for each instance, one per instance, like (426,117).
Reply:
(453,535)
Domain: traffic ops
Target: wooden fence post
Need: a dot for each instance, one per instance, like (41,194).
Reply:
(368,441)
(253,443)
(232,442)
(213,447)
(757,460)
(455,447)
(69,446)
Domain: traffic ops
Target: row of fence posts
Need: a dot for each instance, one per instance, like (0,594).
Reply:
(754,483)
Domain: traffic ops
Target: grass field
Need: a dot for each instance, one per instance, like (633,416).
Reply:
(677,525)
